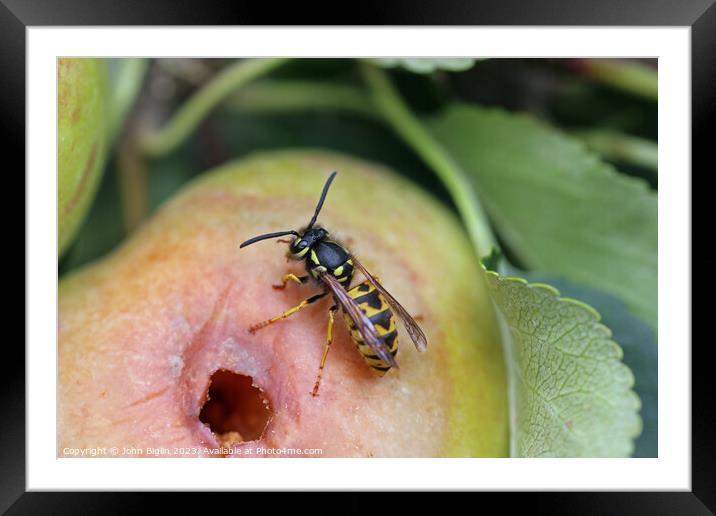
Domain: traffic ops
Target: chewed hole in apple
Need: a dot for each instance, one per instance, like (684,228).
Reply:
(234,409)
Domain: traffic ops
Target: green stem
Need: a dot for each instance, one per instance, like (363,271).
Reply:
(126,84)
(401,119)
(272,96)
(193,111)
(621,147)
(630,76)
(133,177)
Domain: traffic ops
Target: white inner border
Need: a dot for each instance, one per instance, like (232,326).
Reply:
(670,471)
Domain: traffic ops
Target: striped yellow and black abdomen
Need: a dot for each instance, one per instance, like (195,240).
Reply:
(374,306)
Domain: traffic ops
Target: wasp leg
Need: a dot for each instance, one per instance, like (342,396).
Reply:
(255,327)
(329,341)
(290,277)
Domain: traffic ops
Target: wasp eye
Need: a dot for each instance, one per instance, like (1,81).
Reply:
(302,244)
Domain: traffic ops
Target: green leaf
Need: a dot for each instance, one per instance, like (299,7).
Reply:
(426,65)
(557,206)
(638,342)
(570,392)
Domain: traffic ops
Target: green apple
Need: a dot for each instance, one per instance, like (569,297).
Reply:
(82,141)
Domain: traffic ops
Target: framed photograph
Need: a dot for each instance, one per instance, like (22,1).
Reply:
(477,284)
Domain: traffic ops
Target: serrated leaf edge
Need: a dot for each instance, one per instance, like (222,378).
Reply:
(628,385)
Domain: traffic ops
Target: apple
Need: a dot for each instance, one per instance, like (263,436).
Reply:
(155,355)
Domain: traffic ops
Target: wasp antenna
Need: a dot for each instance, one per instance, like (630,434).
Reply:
(323,198)
(267,236)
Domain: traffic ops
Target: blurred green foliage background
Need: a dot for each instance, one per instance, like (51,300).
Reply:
(553,90)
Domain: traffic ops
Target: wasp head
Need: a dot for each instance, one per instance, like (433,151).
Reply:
(305,241)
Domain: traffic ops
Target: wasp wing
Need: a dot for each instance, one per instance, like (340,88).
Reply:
(365,327)
(416,334)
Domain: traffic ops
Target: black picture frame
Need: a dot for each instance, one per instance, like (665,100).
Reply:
(17,15)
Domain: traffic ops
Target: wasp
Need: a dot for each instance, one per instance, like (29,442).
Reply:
(368,308)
